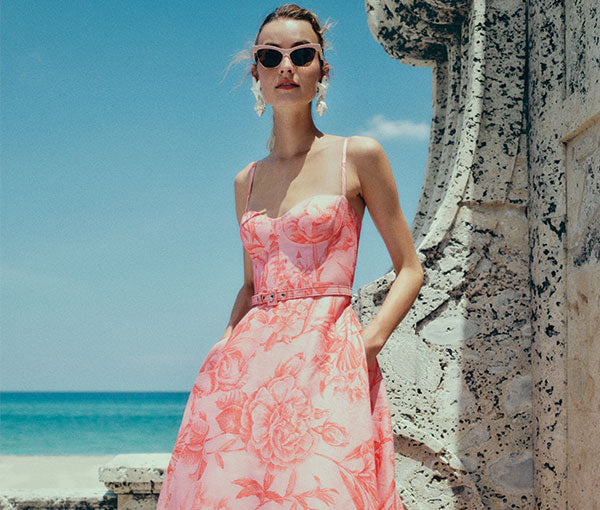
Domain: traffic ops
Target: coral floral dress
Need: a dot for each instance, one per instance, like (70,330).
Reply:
(284,413)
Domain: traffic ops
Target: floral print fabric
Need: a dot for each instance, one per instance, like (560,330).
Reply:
(284,413)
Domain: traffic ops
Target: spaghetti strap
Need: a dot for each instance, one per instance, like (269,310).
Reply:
(250,184)
(344,167)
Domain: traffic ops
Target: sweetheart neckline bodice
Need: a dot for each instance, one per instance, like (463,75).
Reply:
(315,242)
(298,204)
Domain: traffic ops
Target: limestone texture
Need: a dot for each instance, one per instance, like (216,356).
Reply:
(494,374)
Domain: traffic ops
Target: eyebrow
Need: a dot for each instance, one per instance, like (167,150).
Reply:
(297,43)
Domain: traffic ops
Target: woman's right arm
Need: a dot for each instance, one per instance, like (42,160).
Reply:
(243,301)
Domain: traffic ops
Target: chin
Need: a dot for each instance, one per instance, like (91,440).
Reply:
(291,101)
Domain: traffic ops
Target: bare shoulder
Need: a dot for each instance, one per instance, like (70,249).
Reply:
(363,146)
(242,177)
(366,155)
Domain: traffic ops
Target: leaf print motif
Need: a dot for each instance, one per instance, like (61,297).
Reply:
(298,500)
(283,327)
(291,483)
(284,412)
(342,362)
(201,498)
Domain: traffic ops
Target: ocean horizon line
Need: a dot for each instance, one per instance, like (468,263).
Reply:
(95,391)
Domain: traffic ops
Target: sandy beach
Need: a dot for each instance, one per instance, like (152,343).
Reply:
(51,472)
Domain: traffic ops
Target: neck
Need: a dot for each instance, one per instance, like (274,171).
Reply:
(294,131)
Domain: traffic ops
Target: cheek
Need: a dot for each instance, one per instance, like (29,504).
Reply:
(310,77)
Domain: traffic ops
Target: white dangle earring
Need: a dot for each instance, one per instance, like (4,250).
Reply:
(320,97)
(260,105)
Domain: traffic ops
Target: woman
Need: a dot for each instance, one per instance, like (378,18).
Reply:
(289,409)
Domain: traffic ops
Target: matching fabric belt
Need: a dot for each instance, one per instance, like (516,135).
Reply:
(273,296)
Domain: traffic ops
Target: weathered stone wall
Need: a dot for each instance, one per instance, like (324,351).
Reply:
(564,235)
(488,330)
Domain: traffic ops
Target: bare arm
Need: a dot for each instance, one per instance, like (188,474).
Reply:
(378,189)
(243,301)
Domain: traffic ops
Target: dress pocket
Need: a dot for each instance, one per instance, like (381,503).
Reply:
(359,335)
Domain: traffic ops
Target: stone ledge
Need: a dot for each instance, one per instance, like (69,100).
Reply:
(63,499)
(135,473)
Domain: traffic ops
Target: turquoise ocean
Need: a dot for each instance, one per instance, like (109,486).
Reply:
(89,423)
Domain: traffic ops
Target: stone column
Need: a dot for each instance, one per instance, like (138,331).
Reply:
(500,358)
(458,367)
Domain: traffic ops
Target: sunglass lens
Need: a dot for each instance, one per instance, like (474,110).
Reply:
(303,56)
(269,58)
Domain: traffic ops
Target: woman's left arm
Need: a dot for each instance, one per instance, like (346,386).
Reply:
(378,190)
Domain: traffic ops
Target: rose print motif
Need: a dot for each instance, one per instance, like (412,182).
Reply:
(315,223)
(277,421)
(189,447)
(222,370)
(231,405)
(333,434)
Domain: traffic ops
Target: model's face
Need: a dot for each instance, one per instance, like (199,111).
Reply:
(287,33)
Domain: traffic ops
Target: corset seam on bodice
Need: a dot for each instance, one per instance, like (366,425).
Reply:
(314,243)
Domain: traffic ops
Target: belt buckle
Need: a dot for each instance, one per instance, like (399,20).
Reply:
(273,297)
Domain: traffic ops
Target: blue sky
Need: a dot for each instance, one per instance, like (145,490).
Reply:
(120,253)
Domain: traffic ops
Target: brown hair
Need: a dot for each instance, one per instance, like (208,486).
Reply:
(293,11)
(289,11)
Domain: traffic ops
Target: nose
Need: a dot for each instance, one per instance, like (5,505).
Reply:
(286,64)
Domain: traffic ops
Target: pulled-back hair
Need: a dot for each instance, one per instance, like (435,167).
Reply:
(293,11)
(289,11)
